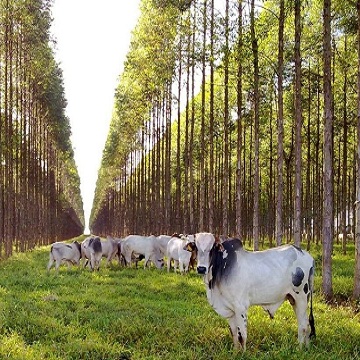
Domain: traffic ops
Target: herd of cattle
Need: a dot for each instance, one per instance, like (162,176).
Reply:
(179,248)
(235,278)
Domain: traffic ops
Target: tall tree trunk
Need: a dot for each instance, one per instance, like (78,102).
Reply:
(298,127)
(202,210)
(168,162)
(192,125)
(211,123)
(356,292)
(280,131)
(178,204)
(239,126)
(308,210)
(328,230)
(344,199)
(186,192)
(225,194)
(254,44)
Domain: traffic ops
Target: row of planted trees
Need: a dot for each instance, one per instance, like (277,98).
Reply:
(238,118)
(40,199)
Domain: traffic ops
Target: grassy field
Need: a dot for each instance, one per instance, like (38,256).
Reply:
(149,314)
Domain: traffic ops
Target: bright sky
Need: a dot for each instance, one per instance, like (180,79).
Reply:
(93,38)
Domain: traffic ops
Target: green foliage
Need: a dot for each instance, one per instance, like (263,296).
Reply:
(134,314)
(34,127)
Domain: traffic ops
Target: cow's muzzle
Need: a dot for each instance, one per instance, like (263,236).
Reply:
(201,270)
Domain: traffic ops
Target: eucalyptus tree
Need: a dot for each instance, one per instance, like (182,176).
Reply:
(298,127)
(239,101)
(356,292)
(38,176)
(328,232)
(187,140)
(256,99)
(280,128)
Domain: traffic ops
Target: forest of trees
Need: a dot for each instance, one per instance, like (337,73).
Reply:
(40,199)
(241,118)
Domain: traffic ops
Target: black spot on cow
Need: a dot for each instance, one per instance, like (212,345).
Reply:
(298,277)
(311,274)
(240,338)
(306,288)
(222,259)
(95,243)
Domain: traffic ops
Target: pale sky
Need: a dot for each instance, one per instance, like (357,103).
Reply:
(93,38)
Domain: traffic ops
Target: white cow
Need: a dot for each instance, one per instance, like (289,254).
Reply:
(137,245)
(91,249)
(162,243)
(349,236)
(180,250)
(109,248)
(235,279)
(134,258)
(64,253)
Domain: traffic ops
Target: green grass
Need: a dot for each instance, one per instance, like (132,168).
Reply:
(150,314)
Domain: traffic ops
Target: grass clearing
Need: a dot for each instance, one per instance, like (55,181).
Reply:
(150,314)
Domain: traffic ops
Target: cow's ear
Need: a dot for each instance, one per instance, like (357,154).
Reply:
(219,246)
(188,247)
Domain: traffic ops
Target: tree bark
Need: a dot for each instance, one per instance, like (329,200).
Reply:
(298,127)
(225,194)
(239,128)
(280,131)
(328,231)
(256,99)
(356,292)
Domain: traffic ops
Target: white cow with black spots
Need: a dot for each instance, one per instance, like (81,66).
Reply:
(235,279)
(64,253)
(91,249)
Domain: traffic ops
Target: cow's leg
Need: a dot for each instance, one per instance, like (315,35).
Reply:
(147,257)
(50,264)
(238,327)
(181,267)
(57,265)
(108,260)
(300,308)
(176,264)
(233,330)
(92,262)
(128,259)
(168,264)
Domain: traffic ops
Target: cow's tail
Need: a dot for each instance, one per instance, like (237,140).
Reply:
(311,315)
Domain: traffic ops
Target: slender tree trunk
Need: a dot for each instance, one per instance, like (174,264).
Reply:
(280,132)
(239,127)
(211,124)
(186,193)
(344,204)
(178,204)
(356,292)
(168,162)
(192,126)
(202,210)
(256,128)
(225,193)
(308,209)
(328,231)
(298,127)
